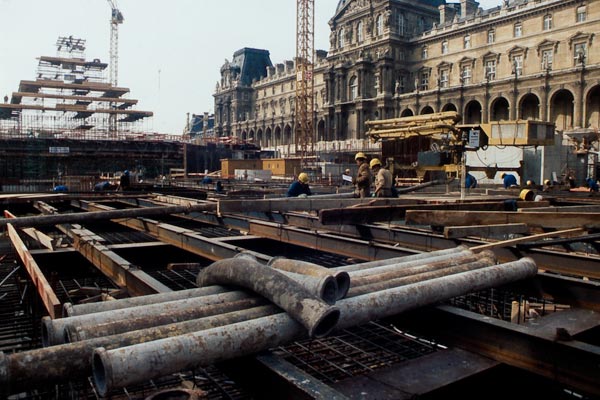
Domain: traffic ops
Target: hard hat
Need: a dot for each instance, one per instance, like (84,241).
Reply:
(126,172)
(347,171)
(529,183)
(360,154)
(503,175)
(303,177)
(374,162)
(547,182)
(527,195)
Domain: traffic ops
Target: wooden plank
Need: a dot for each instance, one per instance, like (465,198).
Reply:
(40,237)
(568,209)
(381,213)
(44,289)
(510,242)
(532,219)
(453,232)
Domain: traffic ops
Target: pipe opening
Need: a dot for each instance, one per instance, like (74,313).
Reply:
(173,394)
(329,290)
(98,370)
(343,283)
(325,324)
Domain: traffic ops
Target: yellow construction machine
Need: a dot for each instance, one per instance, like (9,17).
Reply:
(434,144)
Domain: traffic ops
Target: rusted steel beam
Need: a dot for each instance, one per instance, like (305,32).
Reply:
(44,289)
(384,213)
(453,232)
(55,219)
(537,348)
(531,218)
(120,271)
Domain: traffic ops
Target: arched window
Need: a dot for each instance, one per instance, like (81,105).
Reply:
(379,25)
(353,88)
(360,36)
(445,47)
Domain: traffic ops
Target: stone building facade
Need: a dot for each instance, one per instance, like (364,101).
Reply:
(524,59)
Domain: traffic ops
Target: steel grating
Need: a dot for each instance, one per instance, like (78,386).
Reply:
(355,351)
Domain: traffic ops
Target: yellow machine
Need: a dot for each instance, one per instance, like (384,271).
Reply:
(435,143)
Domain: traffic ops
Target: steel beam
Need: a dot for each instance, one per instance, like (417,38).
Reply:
(123,273)
(536,348)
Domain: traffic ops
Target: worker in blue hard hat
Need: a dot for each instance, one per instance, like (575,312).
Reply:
(124,181)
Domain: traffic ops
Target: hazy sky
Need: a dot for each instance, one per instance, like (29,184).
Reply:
(170,51)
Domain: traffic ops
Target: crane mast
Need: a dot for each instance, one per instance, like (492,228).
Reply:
(305,38)
(115,20)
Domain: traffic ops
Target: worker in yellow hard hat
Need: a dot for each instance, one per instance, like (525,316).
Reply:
(363,176)
(383,179)
(299,188)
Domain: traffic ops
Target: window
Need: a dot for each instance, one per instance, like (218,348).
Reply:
(359,32)
(547,22)
(518,30)
(341,39)
(490,70)
(424,52)
(401,24)
(353,88)
(444,74)
(445,47)
(376,84)
(580,53)
(518,65)
(491,36)
(379,25)
(466,74)
(547,58)
(467,42)
(581,14)
(424,80)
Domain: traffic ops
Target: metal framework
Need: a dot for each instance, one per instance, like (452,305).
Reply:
(115,20)
(305,39)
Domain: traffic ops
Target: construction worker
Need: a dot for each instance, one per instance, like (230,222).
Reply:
(383,179)
(508,180)
(592,184)
(124,181)
(299,188)
(470,181)
(363,176)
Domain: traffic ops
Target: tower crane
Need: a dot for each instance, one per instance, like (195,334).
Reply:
(115,20)
(305,39)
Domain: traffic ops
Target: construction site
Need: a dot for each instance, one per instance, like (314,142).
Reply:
(202,278)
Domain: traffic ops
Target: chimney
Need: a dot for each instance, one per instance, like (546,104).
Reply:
(468,7)
(447,13)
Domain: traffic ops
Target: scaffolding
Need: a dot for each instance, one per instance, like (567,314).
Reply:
(70,97)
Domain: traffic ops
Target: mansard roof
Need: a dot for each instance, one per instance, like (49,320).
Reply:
(252,64)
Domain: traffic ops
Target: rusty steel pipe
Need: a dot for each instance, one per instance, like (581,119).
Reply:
(325,288)
(400,270)
(384,284)
(141,362)
(53,329)
(342,278)
(72,361)
(55,219)
(467,254)
(77,331)
(396,260)
(318,317)
(73,310)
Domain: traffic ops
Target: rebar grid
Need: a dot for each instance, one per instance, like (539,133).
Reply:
(354,351)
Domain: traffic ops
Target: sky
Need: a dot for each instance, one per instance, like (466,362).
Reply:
(170,51)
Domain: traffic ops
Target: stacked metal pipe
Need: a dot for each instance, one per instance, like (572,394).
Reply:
(224,327)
